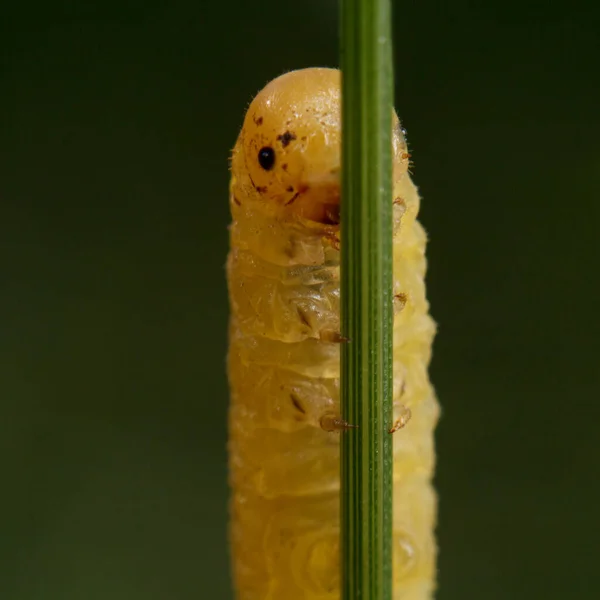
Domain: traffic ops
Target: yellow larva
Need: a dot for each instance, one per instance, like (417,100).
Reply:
(284,354)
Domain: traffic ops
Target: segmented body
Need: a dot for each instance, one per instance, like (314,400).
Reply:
(284,357)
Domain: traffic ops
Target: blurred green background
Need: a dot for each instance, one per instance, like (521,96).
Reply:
(116,120)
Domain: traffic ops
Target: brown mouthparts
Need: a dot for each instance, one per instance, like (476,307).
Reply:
(332,214)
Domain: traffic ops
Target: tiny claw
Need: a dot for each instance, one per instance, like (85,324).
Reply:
(402,420)
(333,240)
(332,422)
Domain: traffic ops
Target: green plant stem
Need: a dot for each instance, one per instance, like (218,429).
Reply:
(366,299)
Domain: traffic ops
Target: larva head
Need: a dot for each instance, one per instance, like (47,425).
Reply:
(289,147)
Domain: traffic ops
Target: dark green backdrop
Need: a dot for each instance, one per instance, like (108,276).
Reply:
(116,120)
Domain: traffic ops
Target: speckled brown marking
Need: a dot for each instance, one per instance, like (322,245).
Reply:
(284,166)
(297,403)
(286,138)
(261,189)
(237,201)
(258,121)
(399,201)
(289,188)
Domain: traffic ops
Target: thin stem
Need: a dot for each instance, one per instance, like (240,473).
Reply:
(366,299)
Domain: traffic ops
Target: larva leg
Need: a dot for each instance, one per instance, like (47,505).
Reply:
(308,315)
(333,239)
(400,301)
(333,336)
(402,420)
(320,408)
(332,422)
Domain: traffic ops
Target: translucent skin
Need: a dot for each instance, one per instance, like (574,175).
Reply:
(284,355)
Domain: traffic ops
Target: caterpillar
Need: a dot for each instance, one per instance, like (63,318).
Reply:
(283,273)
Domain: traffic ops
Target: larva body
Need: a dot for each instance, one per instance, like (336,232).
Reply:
(284,355)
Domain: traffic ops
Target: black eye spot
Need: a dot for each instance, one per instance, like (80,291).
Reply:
(266,158)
